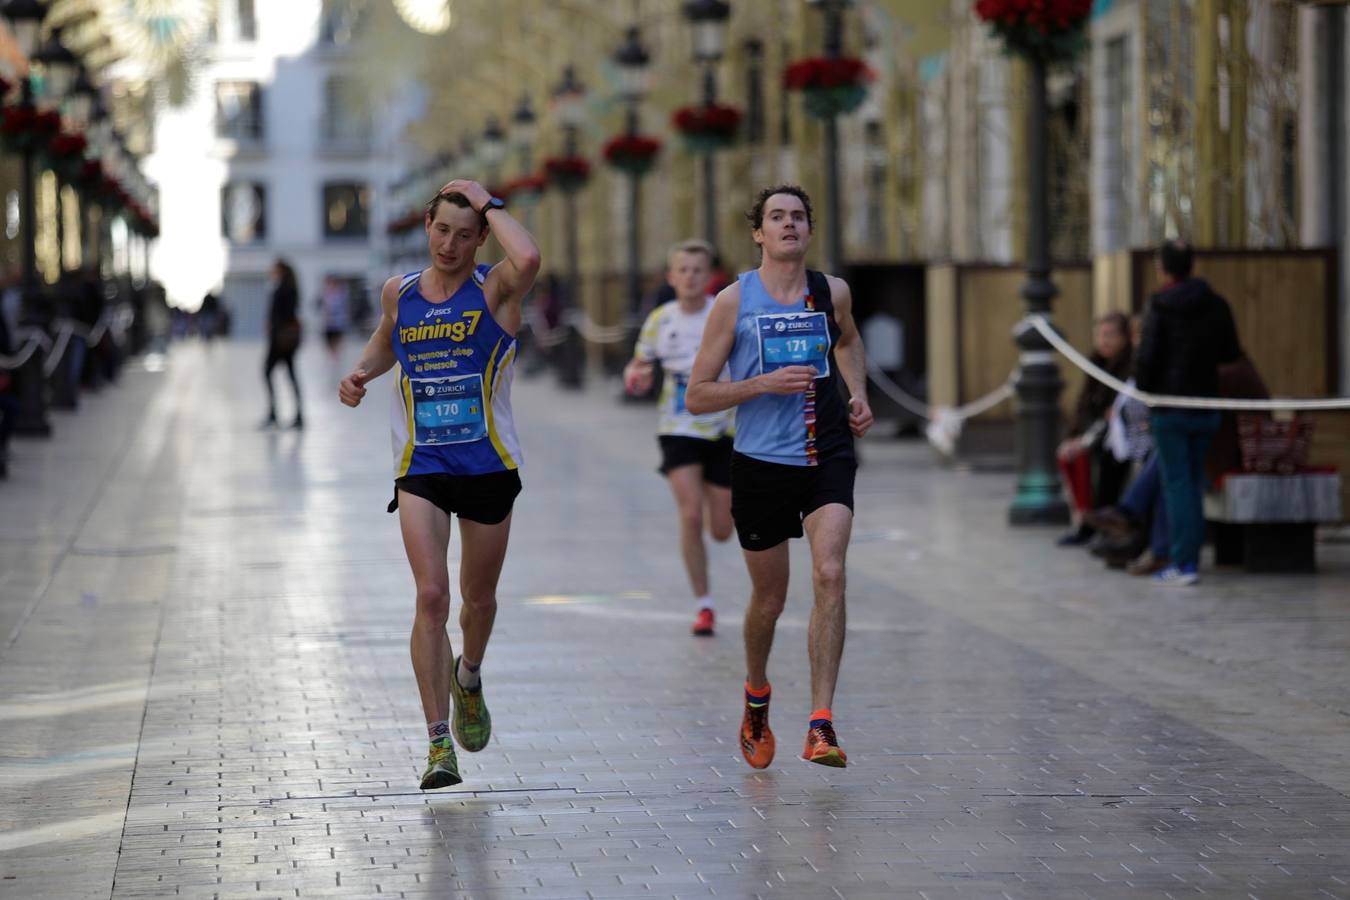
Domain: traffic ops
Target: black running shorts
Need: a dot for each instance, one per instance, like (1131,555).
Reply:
(769,500)
(479,498)
(713,456)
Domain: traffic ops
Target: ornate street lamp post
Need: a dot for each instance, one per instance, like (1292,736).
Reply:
(834,49)
(569,99)
(709,20)
(633,60)
(25,21)
(1039,499)
(523,127)
(492,150)
(1050,33)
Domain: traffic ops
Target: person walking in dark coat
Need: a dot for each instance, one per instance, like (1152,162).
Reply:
(1188,334)
(283,338)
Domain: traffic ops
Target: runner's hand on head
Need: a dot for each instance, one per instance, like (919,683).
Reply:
(351,390)
(789,380)
(859,416)
(474,192)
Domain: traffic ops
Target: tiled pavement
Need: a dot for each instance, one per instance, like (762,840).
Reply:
(206,689)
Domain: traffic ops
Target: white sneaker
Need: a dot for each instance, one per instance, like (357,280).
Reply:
(1173,575)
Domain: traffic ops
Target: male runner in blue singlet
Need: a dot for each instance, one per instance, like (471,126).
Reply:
(449,331)
(789,338)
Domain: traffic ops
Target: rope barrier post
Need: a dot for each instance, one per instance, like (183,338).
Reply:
(31,382)
(1039,500)
(61,364)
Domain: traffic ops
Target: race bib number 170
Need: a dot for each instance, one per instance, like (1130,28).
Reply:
(448,410)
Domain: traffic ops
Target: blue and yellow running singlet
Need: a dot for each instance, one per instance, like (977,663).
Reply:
(453,378)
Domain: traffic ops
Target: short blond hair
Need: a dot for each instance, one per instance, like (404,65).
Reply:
(693,245)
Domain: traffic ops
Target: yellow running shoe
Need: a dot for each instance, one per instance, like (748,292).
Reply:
(442,766)
(471,722)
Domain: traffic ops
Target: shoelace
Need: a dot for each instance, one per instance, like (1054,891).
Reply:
(758,716)
(826,733)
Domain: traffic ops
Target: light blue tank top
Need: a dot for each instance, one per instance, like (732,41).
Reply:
(797,429)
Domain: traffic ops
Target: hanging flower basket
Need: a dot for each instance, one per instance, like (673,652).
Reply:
(829,87)
(634,154)
(26,128)
(525,190)
(406,222)
(707,129)
(66,154)
(569,173)
(1049,30)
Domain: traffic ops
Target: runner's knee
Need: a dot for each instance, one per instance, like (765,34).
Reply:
(767,603)
(722,531)
(829,577)
(691,518)
(480,601)
(433,602)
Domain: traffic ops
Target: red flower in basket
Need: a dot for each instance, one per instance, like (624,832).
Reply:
(821,72)
(567,172)
(17,119)
(831,87)
(68,145)
(47,122)
(632,153)
(525,186)
(716,121)
(1051,30)
(707,128)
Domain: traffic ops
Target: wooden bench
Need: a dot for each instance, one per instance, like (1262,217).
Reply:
(1268,523)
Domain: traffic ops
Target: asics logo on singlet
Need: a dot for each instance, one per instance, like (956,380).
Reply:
(455,331)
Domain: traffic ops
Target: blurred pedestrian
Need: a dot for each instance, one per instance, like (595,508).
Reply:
(1093,474)
(283,338)
(1188,334)
(335,304)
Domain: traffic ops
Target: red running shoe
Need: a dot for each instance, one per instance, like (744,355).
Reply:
(703,625)
(822,747)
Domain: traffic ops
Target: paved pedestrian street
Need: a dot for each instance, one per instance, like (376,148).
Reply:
(207,693)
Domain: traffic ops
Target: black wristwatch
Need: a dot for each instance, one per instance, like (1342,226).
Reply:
(493,203)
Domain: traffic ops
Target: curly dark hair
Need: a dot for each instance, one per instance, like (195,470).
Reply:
(755,215)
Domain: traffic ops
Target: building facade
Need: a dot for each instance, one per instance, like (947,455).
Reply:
(277,153)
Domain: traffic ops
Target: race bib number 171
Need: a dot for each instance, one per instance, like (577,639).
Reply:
(794,339)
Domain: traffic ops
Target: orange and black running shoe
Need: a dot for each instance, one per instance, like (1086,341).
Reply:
(822,747)
(757,744)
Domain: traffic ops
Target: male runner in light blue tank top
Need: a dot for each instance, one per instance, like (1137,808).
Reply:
(449,331)
(788,337)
